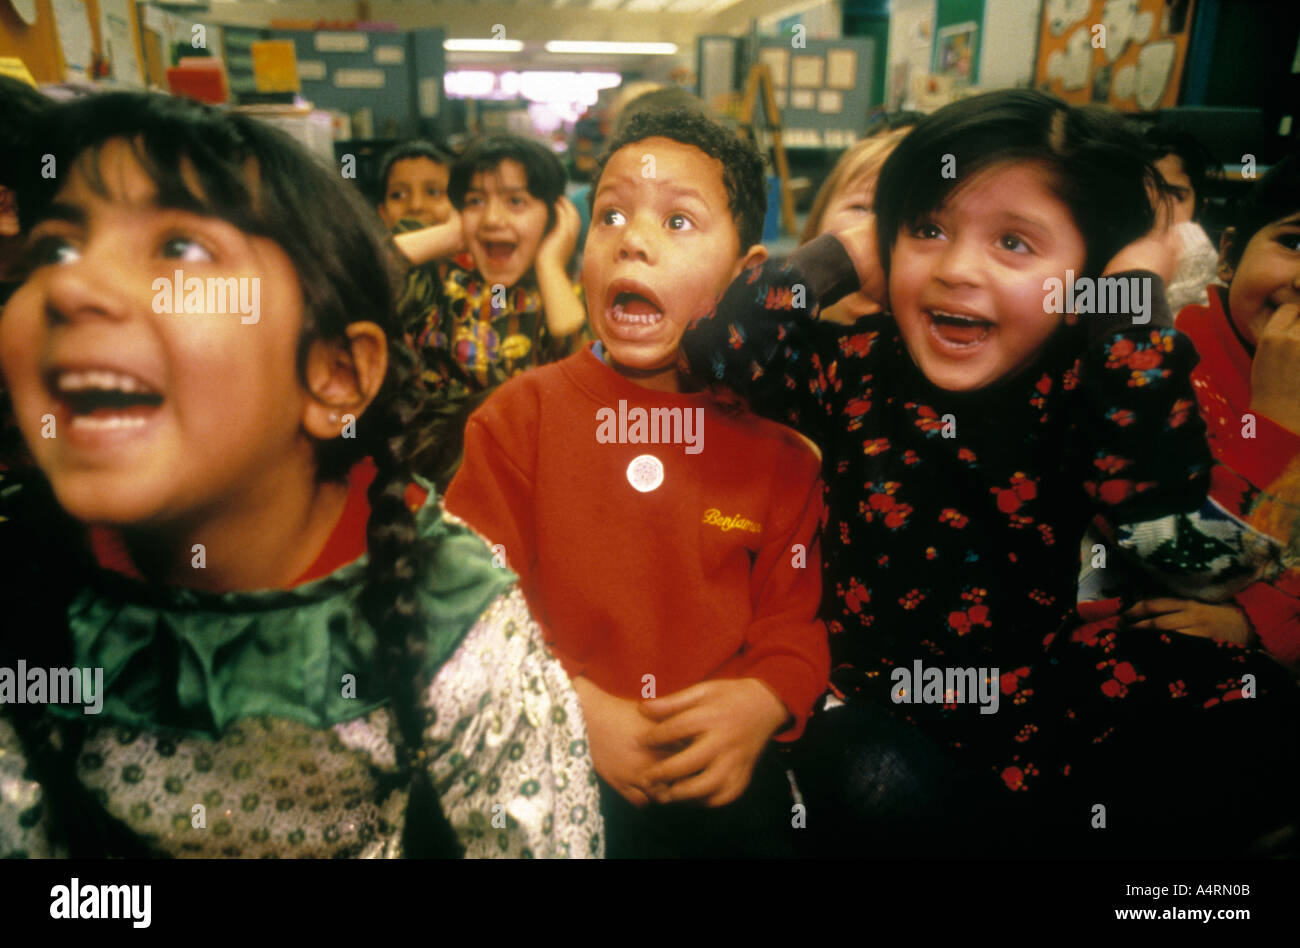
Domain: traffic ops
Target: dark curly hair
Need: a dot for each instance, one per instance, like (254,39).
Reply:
(1100,168)
(241,170)
(742,166)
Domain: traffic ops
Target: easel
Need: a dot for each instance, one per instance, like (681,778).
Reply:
(760,76)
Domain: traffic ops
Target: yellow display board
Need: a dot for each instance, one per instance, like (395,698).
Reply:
(275,65)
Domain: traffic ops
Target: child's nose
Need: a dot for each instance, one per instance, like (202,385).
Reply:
(636,241)
(93,286)
(959,263)
(494,213)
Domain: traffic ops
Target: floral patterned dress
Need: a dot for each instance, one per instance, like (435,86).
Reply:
(954,519)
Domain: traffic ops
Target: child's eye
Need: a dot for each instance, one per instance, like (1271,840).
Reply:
(927,231)
(517,202)
(1290,241)
(397,195)
(186,248)
(473,200)
(49,249)
(434,192)
(679,222)
(1013,243)
(612,218)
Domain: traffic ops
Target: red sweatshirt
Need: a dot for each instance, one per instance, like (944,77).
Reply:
(1246,466)
(689,559)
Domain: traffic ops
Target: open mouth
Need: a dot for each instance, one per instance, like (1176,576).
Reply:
(632,305)
(498,252)
(633,308)
(104,399)
(957,329)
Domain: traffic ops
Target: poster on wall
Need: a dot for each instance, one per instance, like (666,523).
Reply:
(954,51)
(1128,54)
(73,26)
(911,37)
(118,41)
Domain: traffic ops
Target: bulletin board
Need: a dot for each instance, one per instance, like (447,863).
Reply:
(393,77)
(238,42)
(58,40)
(1140,67)
(822,89)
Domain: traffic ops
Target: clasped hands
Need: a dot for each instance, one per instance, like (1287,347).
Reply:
(699,744)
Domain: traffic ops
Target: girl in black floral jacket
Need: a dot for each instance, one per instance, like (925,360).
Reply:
(969,435)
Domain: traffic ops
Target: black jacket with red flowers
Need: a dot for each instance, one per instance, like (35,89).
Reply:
(954,519)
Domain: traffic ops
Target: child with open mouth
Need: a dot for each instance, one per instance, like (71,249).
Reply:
(496,299)
(489,295)
(969,436)
(668,543)
(301,653)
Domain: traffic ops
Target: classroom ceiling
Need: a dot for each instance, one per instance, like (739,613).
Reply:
(629,6)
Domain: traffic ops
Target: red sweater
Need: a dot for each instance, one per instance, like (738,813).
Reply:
(714,573)
(1246,467)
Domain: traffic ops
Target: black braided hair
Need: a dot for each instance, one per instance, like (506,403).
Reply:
(261,181)
(389,598)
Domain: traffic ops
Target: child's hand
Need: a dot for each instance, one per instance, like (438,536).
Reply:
(728,723)
(433,243)
(1227,623)
(616,733)
(455,230)
(557,246)
(860,243)
(1275,368)
(1156,250)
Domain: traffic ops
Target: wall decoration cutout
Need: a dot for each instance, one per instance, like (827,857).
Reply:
(1125,53)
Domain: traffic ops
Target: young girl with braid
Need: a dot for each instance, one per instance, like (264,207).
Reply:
(969,434)
(301,654)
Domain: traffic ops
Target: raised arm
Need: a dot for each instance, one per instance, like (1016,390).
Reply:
(762,341)
(432,243)
(564,308)
(1143,442)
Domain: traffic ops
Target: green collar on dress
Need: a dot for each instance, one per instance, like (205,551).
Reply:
(193,662)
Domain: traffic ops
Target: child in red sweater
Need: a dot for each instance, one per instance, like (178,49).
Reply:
(668,545)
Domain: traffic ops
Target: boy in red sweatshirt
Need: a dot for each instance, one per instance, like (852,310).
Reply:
(667,544)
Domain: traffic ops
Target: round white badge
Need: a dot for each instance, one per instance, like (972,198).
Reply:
(645,473)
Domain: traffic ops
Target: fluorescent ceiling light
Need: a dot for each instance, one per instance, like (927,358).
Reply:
(612,49)
(482,46)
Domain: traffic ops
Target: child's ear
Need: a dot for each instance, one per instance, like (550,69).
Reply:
(1227,253)
(753,257)
(343,379)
